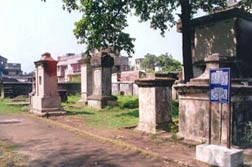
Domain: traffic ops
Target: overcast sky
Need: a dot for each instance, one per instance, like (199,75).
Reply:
(29,28)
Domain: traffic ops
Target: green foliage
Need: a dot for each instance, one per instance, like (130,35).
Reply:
(76,79)
(175,109)
(150,61)
(103,22)
(174,126)
(165,61)
(11,109)
(72,99)
(130,102)
(249,132)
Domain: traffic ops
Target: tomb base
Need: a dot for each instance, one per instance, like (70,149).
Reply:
(46,106)
(154,103)
(217,155)
(152,127)
(100,102)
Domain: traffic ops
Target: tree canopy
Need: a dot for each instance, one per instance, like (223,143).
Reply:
(165,61)
(103,21)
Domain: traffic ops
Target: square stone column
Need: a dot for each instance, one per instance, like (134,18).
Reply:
(45,99)
(155,101)
(101,96)
(86,78)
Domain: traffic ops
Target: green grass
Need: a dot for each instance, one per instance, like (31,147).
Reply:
(11,109)
(123,115)
(129,102)
(72,99)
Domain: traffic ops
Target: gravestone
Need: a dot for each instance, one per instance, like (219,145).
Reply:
(86,78)
(101,96)
(45,99)
(155,101)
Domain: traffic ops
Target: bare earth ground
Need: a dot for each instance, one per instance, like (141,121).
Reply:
(47,145)
(162,143)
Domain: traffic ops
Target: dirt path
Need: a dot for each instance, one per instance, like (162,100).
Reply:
(50,146)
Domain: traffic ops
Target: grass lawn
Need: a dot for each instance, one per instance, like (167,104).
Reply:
(125,114)
(11,109)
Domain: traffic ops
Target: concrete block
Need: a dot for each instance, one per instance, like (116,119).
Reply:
(219,155)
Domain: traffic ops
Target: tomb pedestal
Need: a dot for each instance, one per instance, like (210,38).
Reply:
(194,107)
(86,78)
(154,103)
(101,96)
(45,99)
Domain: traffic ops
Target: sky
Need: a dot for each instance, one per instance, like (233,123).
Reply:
(29,28)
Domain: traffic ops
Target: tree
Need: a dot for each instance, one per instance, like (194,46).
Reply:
(168,63)
(165,61)
(103,21)
(150,61)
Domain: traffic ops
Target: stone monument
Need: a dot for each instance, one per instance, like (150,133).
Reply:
(45,99)
(86,78)
(155,101)
(101,96)
(220,40)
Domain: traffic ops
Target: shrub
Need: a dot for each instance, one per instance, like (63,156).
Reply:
(130,102)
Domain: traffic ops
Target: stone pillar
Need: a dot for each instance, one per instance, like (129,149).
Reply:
(154,103)
(86,78)
(101,96)
(45,99)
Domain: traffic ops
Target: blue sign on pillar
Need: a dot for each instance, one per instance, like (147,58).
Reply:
(220,85)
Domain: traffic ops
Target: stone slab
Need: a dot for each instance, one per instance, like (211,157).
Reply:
(217,155)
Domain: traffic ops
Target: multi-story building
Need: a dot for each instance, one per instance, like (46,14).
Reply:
(68,67)
(9,69)
(12,69)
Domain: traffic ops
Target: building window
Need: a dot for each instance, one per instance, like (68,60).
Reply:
(76,67)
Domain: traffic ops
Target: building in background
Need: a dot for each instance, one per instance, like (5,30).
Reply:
(138,64)
(3,62)
(12,69)
(121,63)
(68,68)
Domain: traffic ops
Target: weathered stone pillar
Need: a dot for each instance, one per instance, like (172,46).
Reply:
(86,78)
(101,96)
(154,102)
(46,100)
